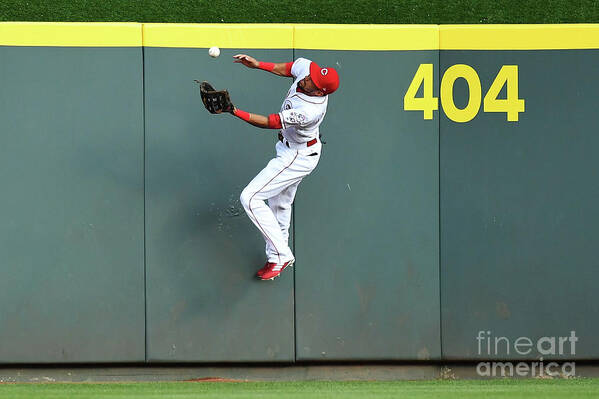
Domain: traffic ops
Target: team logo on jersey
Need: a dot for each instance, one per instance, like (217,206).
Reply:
(287,105)
(295,117)
(324,71)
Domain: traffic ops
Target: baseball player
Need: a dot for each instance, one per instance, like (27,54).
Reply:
(298,151)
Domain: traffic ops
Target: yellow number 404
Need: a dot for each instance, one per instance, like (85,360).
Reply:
(508,75)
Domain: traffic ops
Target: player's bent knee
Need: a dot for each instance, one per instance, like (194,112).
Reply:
(245,199)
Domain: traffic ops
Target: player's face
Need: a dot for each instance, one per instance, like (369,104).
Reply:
(308,86)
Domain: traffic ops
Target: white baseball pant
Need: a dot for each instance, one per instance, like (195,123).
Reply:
(277,183)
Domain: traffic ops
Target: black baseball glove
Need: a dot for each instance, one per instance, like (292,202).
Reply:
(216,102)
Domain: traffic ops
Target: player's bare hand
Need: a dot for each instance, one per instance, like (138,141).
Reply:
(246,60)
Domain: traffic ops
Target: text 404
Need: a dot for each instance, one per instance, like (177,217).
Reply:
(508,75)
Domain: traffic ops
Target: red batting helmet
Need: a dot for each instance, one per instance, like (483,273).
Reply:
(326,79)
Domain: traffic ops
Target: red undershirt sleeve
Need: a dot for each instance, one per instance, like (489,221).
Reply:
(288,68)
(274,121)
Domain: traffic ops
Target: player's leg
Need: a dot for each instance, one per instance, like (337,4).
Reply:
(281,207)
(279,174)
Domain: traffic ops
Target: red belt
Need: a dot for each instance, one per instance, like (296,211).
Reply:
(308,144)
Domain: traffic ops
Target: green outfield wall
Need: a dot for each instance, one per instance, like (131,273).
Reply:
(72,209)
(451,216)
(367,243)
(201,248)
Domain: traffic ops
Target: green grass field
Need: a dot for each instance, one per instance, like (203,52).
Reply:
(307,11)
(513,389)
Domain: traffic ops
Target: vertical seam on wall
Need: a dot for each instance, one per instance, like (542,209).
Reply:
(439,192)
(143,85)
(293,242)
(294,302)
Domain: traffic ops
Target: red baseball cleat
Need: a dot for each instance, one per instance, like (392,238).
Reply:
(267,267)
(274,271)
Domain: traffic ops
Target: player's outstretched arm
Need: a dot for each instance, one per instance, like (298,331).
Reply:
(272,121)
(280,69)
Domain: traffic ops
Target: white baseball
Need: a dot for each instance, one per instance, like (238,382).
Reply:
(214,52)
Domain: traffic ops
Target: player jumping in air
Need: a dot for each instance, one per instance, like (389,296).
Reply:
(298,151)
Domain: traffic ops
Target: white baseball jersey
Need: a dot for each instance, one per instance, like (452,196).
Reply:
(301,114)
